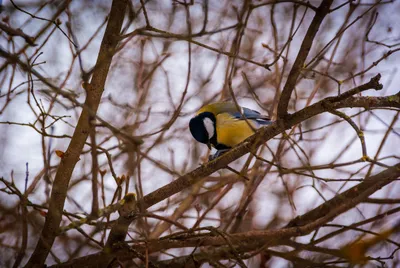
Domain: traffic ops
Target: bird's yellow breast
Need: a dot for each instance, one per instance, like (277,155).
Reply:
(231,131)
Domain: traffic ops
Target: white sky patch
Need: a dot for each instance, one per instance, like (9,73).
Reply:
(208,123)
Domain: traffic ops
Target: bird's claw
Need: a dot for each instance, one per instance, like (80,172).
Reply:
(217,154)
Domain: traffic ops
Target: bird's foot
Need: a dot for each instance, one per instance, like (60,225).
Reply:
(217,154)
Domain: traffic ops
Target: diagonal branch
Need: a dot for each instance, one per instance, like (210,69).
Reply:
(71,156)
(252,240)
(297,227)
(349,198)
(118,231)
(320,14)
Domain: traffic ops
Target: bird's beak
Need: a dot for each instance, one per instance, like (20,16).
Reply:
(209,145)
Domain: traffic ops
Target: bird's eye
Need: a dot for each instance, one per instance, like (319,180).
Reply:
(209,125)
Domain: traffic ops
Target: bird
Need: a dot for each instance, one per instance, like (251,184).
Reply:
(223,125)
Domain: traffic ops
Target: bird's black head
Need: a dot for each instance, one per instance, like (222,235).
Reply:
(202,127)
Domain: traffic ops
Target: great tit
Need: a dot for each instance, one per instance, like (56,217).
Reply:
(223,125)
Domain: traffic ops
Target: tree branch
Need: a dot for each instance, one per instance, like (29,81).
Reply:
(320,14)
(71,156)
(17,32)
(248,241)
(249,145)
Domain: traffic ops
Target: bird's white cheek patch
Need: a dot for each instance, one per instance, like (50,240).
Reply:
(208,123)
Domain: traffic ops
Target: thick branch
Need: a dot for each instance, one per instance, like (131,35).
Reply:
(252,240)
(320,14)
(71,156)
(303,224)
(349,198)
(251,144)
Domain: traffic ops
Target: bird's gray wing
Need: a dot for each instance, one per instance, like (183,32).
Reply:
(252,115)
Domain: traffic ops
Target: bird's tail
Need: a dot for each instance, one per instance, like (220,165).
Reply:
(264,121)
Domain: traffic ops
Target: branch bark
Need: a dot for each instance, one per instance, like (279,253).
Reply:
(294,73)
(94,91)
(252,240)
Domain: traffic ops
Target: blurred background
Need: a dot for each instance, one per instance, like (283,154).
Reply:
(193,54)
